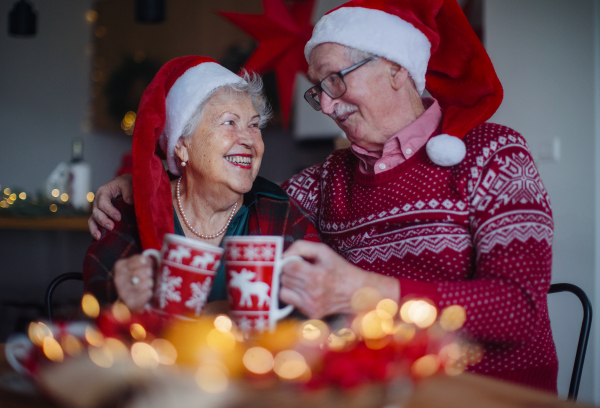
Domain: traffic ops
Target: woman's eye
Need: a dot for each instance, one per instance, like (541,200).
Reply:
(254,125)
(229,122)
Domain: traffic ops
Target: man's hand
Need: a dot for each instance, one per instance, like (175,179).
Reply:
(103,210)
(133,280)
(326,283)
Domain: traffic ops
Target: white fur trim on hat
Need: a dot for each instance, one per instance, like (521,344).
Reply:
(186,94)
(379,33)
(445,150)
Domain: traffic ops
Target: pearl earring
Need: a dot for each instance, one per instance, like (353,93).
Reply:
(183,164)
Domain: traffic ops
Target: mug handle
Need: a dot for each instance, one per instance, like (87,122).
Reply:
(281,313)
(17,347)
(153,253)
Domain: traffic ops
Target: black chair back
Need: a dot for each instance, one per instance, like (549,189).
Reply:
(584,334)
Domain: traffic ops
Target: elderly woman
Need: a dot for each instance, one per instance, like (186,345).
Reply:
(206,121)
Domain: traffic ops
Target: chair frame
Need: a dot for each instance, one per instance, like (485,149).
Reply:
(584,334)
(52,286)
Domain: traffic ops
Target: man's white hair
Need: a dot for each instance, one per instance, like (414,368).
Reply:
(250,85)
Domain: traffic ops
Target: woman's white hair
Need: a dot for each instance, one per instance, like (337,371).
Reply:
(250,84)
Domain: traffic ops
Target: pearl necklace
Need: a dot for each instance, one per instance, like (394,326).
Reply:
(192,228)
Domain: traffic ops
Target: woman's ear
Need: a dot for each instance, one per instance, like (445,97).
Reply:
(398,76)
(181,149)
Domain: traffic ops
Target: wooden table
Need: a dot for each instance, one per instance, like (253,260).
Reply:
(465,390)
(76,223)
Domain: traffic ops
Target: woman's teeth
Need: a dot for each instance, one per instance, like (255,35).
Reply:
(239,160)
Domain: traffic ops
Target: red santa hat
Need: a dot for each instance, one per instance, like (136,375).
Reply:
(433,40)
(167,105)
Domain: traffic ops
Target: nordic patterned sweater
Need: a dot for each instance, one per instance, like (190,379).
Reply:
(478,234)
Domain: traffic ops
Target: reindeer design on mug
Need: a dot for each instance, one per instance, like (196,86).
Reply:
(243,281)
(178,254)
(202,261)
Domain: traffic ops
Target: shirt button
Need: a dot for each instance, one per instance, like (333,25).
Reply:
(382,166)
(408,151)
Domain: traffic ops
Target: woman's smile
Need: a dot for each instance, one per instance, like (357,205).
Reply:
(240,160)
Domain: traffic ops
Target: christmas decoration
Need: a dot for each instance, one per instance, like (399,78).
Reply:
(281,33)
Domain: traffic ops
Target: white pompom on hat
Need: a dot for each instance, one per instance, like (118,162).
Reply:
(433,40)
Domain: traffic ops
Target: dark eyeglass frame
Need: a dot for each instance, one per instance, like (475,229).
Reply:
(314,91)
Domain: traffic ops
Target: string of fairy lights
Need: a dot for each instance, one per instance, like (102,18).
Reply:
(16,202)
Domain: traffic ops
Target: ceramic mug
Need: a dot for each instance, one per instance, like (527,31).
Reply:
(253,269)
(186,272)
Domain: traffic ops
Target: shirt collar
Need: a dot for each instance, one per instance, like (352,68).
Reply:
(410,139)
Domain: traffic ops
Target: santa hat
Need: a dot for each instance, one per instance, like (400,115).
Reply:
(433,40)
(167,105)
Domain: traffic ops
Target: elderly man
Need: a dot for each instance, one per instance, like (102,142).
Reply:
(410,209)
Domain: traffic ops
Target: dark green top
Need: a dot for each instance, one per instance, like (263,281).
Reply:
(238,226)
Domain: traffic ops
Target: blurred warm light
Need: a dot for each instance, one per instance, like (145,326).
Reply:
(91,15)
(372,325)
(453,318)
(220,341)
(71,345)
(38,332)
(258,360)
(101,356)
(377,344)
(7,191)
(403,332)
(454,368)
(129,119)
(90,197)
(425,366)
(94,337)
(64,197)
(289,364)
(3,204)
(52,350)
(100,31)
(335,342)
(404,311)
(167,354)
(121,312)
(55,193)
(452,351)
(314,332)
(117,348)
(144,355)
(347,334)
(223,323)
(388,306)
(137,331)
(23,196)
(90,305)
(422,313)
(9,201)
(53,207)
(365,299)
(211,379)
(13,197)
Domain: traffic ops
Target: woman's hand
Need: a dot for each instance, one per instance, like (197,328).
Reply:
(133,280)
(326,283)
(103,210)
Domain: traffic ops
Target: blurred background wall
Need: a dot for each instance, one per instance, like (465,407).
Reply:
(545,53)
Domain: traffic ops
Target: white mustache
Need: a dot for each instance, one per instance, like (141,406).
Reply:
(342,109)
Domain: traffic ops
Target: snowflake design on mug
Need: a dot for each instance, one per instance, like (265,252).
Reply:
(199,295)
(167,288)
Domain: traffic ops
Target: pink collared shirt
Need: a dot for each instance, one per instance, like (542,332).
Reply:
(404,144)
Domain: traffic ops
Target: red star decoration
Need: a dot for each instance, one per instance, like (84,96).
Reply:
(281,32)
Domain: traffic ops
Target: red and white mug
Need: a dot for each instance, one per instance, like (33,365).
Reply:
(186,272)
(253,269)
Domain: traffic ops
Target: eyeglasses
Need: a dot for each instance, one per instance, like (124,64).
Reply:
(333,85)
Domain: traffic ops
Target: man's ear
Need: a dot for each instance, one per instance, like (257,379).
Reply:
(181,149)
(398,76)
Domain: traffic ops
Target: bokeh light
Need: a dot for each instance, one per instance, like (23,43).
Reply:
(38,332)
(23,196)
(167,354)
(453,318)
(101,356)
(137,331)
(425,366)
(13,197)
(52,350)
(314,332)
(64,197)
(7,191)
(211,379)
(71,345)
(53,207)
(223,323)
(94,337)
(117,348)
(90,305)
(55,193)
(258,360)
(223,342)
(121,312)
(388,306)
(372,325)
(91,15)
(90,197)
(289,364)
(403,332)
(144,355)
(365,299)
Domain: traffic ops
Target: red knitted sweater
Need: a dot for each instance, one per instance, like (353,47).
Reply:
(478,234)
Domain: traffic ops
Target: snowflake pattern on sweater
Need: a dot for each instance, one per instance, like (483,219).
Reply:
(478,234)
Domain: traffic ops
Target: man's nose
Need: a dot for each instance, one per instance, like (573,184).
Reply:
(327,103)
